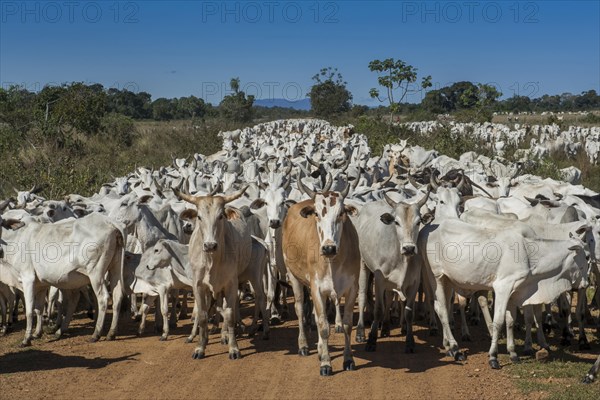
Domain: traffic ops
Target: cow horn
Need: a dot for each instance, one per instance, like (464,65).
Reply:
(286,185)
(346,190)
(216,189)
(288,169)
(173,161)
(462,184)
(312,194)
(388,200)
(187,197)
(313,163)
(328,183)
(433,182)
(413,181)
(4,204)
(232,197)
(422,202)
(15,189)
(36,189)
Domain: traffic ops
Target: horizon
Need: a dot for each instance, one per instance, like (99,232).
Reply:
(528,48)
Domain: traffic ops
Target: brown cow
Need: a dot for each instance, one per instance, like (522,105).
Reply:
(220,249)
(320,249)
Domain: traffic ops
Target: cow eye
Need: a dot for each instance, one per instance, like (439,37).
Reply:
(156,250)
(442,202)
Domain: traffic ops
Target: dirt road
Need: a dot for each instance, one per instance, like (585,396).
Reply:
(143,367)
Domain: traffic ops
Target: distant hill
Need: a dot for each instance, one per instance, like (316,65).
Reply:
(303,104)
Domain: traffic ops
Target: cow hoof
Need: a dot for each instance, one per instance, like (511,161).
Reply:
(458,356)
(528,352)
(137,318)
(90,315)
(189,340)
(275,321)
(110,336)
(183,316)
(409,349)
(466,338)
(224,340)
(588,379)
(385,331)
(303,351)
(349,365)
(371,346)
(163,339)
(326,371)
(285,314)
(265,336)
(360,338)
(494,364)
(433,332)
(25,344)
(94,339)
(339,329)
(474,321)
(139,333)
(198,355)
(235,355)
(584,345)
(515,359)
(172,325)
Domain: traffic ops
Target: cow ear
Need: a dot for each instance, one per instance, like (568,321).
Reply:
(232,213)
(145,199)
(387,218)
(351,210)
(491,184)
(427,218)
(306,211)
(256,204)
(188,215)
(13,224)
(291,202)
(315,174)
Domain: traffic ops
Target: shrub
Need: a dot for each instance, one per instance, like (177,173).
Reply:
(118,127)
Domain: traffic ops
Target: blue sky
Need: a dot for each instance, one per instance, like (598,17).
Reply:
(173,49)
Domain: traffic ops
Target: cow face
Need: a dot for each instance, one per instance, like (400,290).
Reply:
(330,213)
(580,274)
(276,203)
(406,219)
(128,212)
(448,204)
(157,256)
(122,185)
(210,216)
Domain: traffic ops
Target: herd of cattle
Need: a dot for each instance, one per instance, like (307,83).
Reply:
(303,205)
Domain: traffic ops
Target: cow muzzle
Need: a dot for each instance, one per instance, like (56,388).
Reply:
(408,250)
(209,247)
(329,250)
(274,223)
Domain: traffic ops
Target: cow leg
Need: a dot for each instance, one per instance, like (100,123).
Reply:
(201,322)
(143,310)
(442,297)
(485,310)
(299,307)
(593,372)
(320,300)
(388,297)
(101,293)
(564,304)
(503,291)
(183,311)
(70,301)
(272,291)
(363,279)
(163,296)
(3,309)
(29,298)
(349,301)
(339,328)
(38,310)
(462,305)
(409,318)
(429,302)
(229,311)
(260,307)
(116,287)
(511,315)
(580,314)
(528,314)
(379,305)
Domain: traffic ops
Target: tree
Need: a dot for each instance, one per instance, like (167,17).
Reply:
(237,106)
(16,108)
(190,107)
(395,76)
(162,109)
(329,96)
